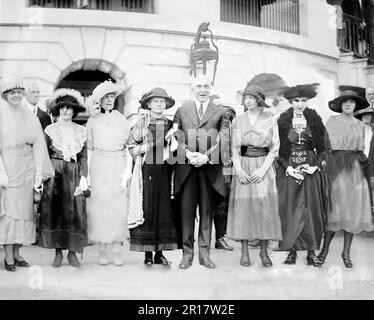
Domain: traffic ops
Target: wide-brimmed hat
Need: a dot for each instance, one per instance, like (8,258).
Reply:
(336,104)
(11,83)
(156,93)
(255,91)
(361,112)
(104,88)
(66,97)
(308,90)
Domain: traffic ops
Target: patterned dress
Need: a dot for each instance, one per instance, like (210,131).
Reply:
(302,204)
(253,208)
(350,198)
(159,230)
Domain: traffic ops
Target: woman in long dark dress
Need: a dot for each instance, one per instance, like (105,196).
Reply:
(63,218)
(348,172)
(156,230)
(304,145)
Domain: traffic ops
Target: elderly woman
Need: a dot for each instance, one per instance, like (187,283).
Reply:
(109,165)
(24,163)
(304,145)
(63,218)
(253,205)
(350,208)
(149,144)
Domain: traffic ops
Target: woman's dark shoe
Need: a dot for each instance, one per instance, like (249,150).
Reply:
(347,260)
(148,261)
(313,260)
(21,263)
(57,262)
(291,258)
(322,257)
(265,259)
(245,261)
(161,260)
(9,267)
(73,260)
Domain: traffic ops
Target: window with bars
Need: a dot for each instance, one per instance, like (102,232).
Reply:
(144,6)
(282,15)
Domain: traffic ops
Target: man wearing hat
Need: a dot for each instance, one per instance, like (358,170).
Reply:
(198,178)
(32,99)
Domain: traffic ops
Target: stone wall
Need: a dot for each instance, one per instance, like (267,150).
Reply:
(150,50)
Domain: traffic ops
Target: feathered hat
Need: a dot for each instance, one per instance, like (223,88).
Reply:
(104,88)
(302,90)
(66,97)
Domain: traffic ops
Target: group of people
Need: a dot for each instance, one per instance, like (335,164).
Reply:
(292,180)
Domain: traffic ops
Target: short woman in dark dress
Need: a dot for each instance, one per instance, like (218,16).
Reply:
(63,219)
(348,172)
(156,229)
(304,145)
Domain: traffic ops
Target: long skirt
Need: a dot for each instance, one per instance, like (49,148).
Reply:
(159,230)
(16,202)
(350,199)
(107,206)
(302,210)
(253,208)
(63,218)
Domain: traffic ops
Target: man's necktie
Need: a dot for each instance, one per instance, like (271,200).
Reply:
(201,111)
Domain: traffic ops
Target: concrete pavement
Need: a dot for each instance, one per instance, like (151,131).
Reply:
(228,281)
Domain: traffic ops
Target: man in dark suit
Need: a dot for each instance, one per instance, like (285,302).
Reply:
(32,98)
(198,179)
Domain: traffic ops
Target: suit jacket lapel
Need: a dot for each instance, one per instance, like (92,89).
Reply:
(209,112)
(192,113)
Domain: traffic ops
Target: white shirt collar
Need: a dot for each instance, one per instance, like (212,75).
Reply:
(32,108)
(198,104)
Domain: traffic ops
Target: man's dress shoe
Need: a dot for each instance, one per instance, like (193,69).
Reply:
(185,264)
(223,245)
(207,263)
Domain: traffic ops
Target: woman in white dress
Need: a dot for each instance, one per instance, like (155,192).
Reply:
(109,166)
(24,164)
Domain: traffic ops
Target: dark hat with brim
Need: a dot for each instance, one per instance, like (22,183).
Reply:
(156,93)
(302,90)
(359,90)
(361,112)
(255,91)
(66,97)
(336,104)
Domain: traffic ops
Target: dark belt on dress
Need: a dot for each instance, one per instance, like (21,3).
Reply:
(253,152)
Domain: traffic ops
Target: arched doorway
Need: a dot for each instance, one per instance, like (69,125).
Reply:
(85,75)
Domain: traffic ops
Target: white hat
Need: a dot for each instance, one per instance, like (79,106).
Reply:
(104,88)
(10,83)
